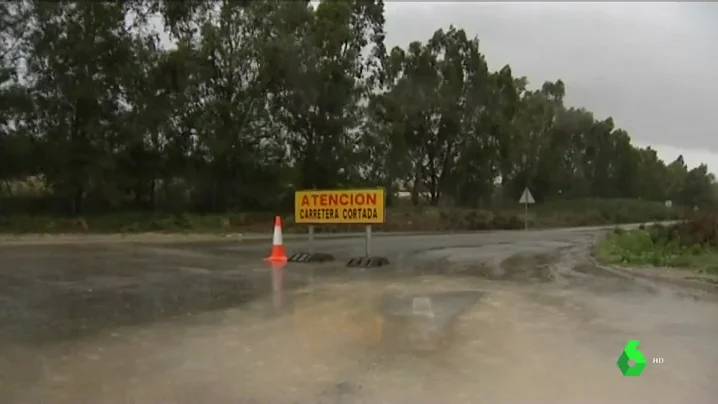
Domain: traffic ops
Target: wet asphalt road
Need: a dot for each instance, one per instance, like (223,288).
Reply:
(504,317)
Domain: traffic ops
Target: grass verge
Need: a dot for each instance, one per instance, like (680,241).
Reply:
(649,247)
(586,212)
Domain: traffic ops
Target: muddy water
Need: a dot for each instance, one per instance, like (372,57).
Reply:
(504,323)
(344,343)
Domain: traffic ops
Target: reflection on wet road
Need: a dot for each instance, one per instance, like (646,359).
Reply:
(506,317)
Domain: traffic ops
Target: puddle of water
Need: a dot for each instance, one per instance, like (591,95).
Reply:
(511,348)
(360,342)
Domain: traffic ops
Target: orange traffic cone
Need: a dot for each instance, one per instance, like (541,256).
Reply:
(278,253)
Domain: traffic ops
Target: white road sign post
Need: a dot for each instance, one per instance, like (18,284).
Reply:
(526,199)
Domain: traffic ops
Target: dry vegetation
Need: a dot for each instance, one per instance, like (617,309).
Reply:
(555,214)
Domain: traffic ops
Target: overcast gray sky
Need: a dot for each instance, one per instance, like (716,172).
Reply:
(652,66)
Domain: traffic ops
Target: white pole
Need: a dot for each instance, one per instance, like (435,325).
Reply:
(311,239)
(526,213)
(367,248)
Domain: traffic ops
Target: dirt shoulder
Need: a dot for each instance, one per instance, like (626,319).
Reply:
(673,275)
(49,239)
(163,238)
(681,277)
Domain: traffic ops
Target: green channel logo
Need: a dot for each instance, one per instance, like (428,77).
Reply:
(631,353)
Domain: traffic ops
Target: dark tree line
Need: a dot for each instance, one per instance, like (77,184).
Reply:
(256,99)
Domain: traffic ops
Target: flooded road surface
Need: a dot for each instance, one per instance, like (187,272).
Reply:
(504,317)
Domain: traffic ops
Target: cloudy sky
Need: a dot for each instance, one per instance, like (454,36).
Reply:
(653,67)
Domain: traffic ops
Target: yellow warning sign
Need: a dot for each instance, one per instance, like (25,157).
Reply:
(359,206)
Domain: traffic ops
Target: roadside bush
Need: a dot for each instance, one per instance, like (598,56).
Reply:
(638,248)
(565,213)
(479,220)
(452,219)
(662,246)
(699,229)
(507,222)
(692,243)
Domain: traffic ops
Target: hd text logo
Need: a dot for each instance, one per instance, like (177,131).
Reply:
(632,362)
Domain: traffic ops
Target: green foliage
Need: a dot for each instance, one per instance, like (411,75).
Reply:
(691,243)
(638,248)
(256,99)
